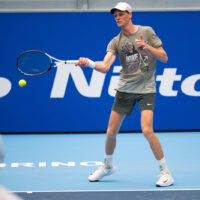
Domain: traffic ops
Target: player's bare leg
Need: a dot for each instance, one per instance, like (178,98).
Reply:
(147,129)
(110,143)
(115,122)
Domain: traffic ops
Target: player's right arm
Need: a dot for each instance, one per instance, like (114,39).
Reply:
(103,66)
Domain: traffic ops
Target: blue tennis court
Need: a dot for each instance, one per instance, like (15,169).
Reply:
(56,166)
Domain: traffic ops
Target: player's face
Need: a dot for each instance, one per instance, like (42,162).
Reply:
(122,18)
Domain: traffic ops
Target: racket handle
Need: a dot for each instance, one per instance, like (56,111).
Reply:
(71,61)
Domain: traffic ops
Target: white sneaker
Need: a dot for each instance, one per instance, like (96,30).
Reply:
(100,173)
(165,179)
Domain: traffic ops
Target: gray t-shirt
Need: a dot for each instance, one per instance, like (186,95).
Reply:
(138,65)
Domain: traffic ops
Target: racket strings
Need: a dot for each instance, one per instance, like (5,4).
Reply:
(34,63)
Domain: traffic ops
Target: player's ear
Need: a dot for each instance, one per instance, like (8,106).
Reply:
(130,14)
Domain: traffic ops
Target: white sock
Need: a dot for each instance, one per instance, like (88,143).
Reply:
(108,161)
(162,165)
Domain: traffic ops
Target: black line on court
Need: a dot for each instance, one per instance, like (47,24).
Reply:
(114,195)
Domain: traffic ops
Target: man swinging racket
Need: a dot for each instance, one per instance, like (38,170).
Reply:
(138,48)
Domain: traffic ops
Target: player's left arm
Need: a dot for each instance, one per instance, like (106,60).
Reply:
(159,53)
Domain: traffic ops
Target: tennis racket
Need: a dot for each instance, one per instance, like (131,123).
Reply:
(35,62)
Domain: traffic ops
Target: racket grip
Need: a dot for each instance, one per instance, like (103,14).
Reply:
(71,61)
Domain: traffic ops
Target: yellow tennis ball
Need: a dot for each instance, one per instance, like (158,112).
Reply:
(22,83)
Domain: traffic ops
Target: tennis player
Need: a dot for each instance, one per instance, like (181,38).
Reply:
(138,48)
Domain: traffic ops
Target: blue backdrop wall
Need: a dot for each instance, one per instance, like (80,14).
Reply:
(72,99)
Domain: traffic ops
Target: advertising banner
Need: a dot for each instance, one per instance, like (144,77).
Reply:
(74,99)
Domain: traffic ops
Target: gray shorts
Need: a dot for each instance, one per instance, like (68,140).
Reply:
(125,102)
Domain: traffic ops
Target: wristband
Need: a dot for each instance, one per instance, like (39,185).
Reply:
(91,64)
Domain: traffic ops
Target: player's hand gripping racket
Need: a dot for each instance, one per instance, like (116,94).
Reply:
(35,62)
